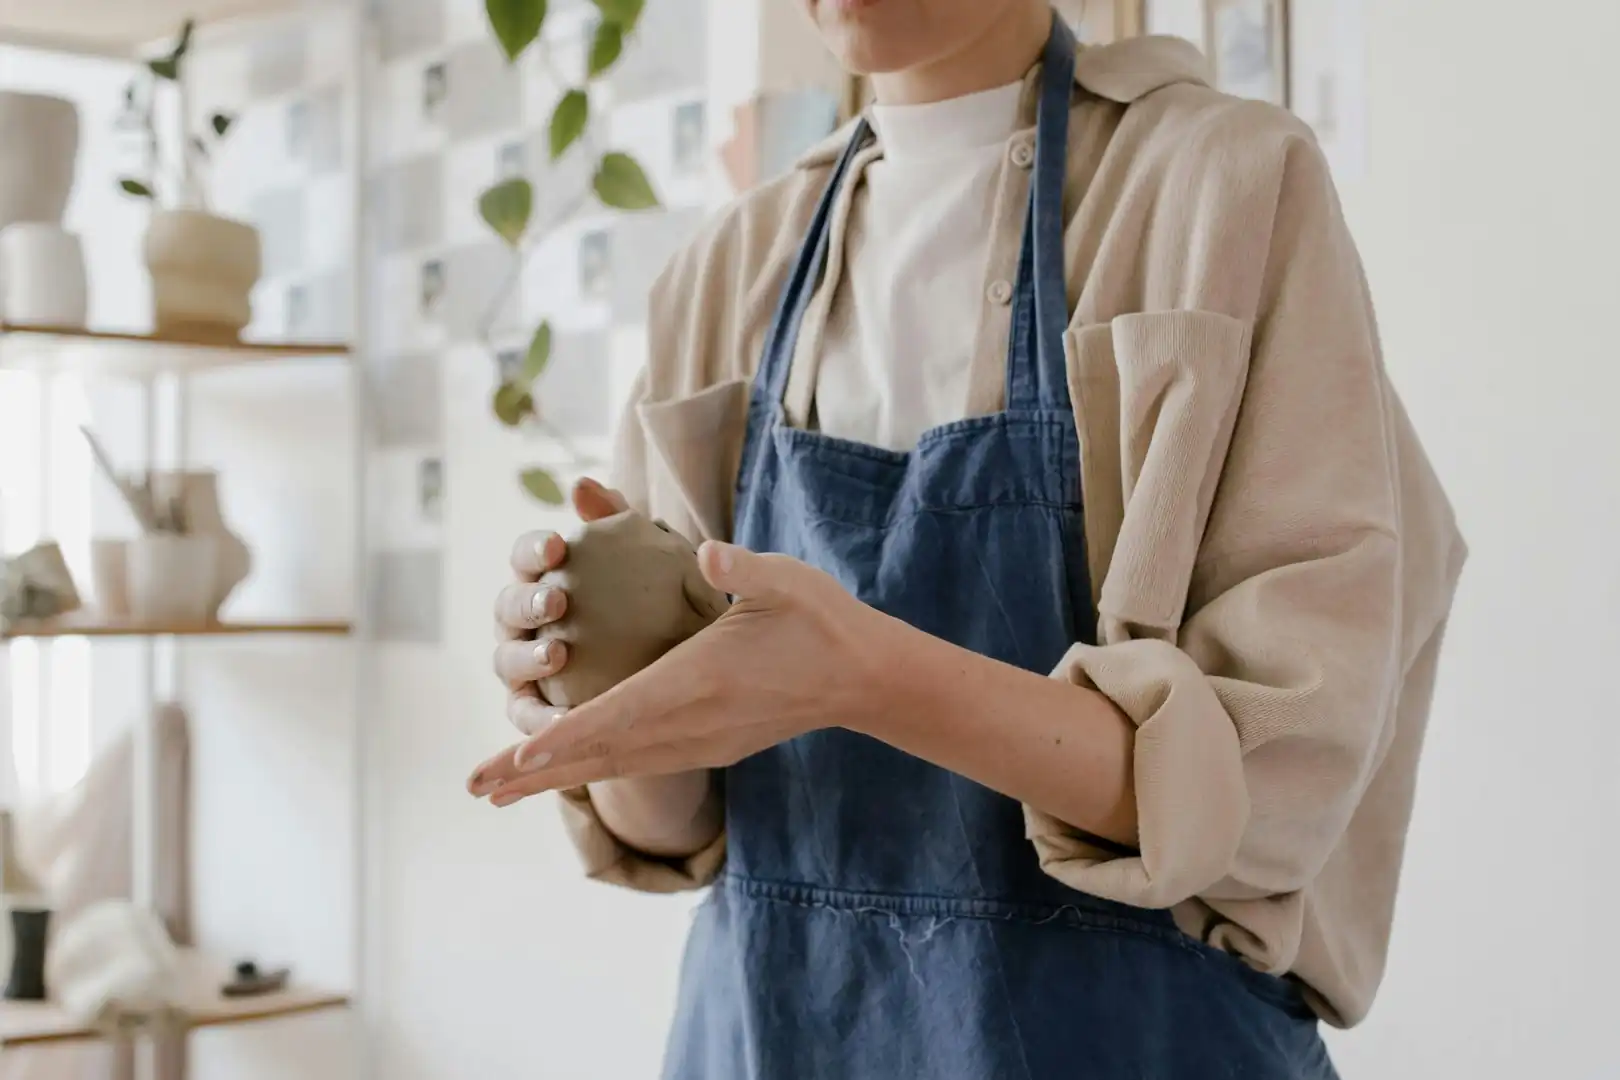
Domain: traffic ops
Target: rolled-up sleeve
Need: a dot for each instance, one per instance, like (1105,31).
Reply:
(1262,714)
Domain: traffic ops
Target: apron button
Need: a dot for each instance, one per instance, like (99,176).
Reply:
(999,292)
(1022,155)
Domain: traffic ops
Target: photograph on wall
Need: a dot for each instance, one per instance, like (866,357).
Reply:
(431,287)
(509,161)
(435,88)
(595,263)
(1247,45)
(509,365)
(297,134)
(689,137)
(430,488)
(297,309)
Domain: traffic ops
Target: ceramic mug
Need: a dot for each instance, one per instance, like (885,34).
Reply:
(42,277)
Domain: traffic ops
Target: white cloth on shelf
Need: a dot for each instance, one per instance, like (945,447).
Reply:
(114,968)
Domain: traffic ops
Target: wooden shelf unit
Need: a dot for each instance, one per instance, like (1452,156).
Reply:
(91,627)
(26,1023)
(134,355)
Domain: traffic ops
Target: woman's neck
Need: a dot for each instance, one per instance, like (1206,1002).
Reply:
(1003,54)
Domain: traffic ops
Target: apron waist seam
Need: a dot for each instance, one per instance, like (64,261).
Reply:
(1076,916)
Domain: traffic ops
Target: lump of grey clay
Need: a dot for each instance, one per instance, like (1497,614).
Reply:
(634,592)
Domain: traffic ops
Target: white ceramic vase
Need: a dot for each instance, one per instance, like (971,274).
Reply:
(203,270)
(42,280)
(40,135)
(197,493)
(172,578)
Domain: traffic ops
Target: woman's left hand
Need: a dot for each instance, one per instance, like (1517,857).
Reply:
(793,654)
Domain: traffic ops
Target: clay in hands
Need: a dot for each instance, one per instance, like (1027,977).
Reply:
(634,592)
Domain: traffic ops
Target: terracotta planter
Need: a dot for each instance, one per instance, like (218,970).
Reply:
(41,137)
(203,269)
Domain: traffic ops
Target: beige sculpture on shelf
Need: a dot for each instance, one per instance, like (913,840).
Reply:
(634,592)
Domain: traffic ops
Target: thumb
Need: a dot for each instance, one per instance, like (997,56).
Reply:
(740,572)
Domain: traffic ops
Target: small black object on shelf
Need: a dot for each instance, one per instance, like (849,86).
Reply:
(29,927)
(249,981)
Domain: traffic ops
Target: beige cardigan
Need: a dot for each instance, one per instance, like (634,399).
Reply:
(1273,559)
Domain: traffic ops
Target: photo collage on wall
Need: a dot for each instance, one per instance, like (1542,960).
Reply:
(452,119)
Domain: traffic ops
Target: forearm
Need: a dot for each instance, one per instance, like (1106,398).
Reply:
(1064,749)
(670,817)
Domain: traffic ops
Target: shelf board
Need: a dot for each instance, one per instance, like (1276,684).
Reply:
(73,626)
(113,352)
(25,1023)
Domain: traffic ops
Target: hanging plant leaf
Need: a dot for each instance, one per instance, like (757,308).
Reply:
(516,23)
(568,121)
(512,404)
(605,47)
(622,13)
(221,123)
(621,184)
(542,485)
(166,68)
(506,208)
(135,187)
(182,44)
(539,354)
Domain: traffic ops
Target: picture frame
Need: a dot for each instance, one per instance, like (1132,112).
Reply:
(595,264)
(435,88)
(1247,43)
(688,137)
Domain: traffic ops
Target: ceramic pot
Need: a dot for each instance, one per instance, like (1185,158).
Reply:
(41,137)
(42,280)
(203,270)
(197,493)
(109,577)
(172,578)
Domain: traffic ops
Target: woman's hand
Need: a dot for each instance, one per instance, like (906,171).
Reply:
(527,606)
(793,654)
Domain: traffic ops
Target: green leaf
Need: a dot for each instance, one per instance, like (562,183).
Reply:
(221,123)
(512,404)
(622,13)
(516,23)
(542,485)
(568,121)
(135,187)
(539,354)
(506,208)
(605,47)
(183,43)
(167,68)
(621,184)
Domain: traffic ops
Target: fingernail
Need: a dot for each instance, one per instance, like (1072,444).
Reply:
(723,557)
(505,800)
(531,762)
(541,601)
(542,653)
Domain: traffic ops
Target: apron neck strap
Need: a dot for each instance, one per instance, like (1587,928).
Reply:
(1036,370)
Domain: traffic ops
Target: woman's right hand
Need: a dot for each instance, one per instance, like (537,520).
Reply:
(525,608)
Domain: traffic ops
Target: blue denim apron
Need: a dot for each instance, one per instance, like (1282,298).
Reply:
(883,919)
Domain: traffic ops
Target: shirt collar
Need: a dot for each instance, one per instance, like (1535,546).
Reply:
(1122,72)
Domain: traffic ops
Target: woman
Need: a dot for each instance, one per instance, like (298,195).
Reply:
(1062,364)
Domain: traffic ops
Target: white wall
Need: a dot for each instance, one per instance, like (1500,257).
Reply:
(1489,217)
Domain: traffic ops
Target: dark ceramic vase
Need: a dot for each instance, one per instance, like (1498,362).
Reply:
(28,929)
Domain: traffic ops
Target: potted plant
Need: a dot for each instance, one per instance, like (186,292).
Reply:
(203,266)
